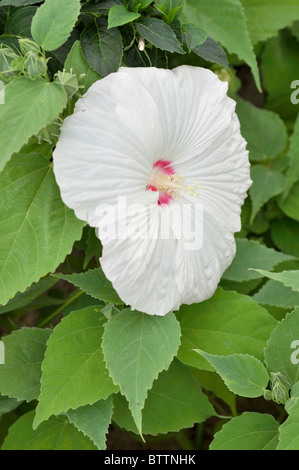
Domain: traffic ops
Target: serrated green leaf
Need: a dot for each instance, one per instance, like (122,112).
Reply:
(34,291)
(73,371)
(37,230)
(262,145)
(102,48)
(276,294)
(288,278)
(212,52)
(54,22)
(145,346)
(285,234)
(159,34)
(55,434)
(119,15)
(24,353)
(225,324)
(224,21)
(266,184)
(279,350)
(251,254)
(249,431)
(18,3)
(94,283)
(293,172)
(290,205)
(29,106)
(280,54)
(265,18)
(174,402)
(172,8)
(76,62)
(289,430)
(19,23)
(93,421)
(8,404)
(243,374)
(194,36)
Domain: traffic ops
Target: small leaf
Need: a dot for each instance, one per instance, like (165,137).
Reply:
(212,52)
(174,402)
(251,254)
(53,22)
(249,431)
(280,347)
(159,34)
(24,353)
(101,47)
(55,434)
(145,346)
(266,184)
(119,15)
(8,404)
(194,36)
(288,278)
(243,375)
(94,283)
(285,234)
(290,205)
(262,145)
(30,105)
(76,62)
(225,324)
(73,372)
(93,421)
(276,294)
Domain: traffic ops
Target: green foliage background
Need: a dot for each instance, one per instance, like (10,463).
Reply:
(76,358)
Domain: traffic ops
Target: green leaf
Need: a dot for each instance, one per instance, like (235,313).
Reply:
(54,22)
(102,48)
(212,52)
(19,23)
(73,371)
(251,254)
(211,381)
(289,430)
(172,8)
(76,62)
(55,434)
(266,17)
(141,4)
(94,283)
(243,375)
(224,21)
(225,324)
(266,184)
(37,230)
(119,15)
(174,402)
(279,68)
(262,145)
(145,346)
(290,205)
(18,3)
(288,278)
(194,36)
(278,353)
(24,353)
(249,431)
(30,105)
(34,291)
(93,421)
(293,171)
(8,404)
(276,294)
(285,234)
(159,34)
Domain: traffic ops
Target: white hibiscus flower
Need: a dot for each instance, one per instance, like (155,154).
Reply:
(168,141)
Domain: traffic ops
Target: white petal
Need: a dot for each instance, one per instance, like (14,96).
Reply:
(157,272)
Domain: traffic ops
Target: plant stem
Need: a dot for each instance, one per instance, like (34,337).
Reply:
(60,309)
(184,441)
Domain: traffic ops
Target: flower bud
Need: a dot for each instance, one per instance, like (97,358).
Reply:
(35,66)
(27,45)
(68,81)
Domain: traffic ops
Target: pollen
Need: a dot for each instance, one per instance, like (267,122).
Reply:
(174,185)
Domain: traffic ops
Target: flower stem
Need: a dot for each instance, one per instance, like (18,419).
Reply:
(60,309)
